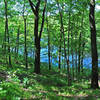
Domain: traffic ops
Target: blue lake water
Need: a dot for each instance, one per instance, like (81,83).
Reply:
(87,61)
(44,58)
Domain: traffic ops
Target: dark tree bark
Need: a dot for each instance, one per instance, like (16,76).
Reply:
(5,35)
(62,32)
(25,46)
(37,34)
(60,46)
(94,79)
(80,46)
(68,62)
(17,41)
(7,32)
(76,52)
(72,53)
(25,37)
(17,45)
(60,51)
(49,56)
(82,57)
(79,54)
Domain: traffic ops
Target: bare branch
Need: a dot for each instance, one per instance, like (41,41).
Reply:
(32,6)
(23,12)
(43,16)
(37,5)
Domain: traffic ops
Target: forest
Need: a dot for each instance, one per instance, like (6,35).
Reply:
(49,50)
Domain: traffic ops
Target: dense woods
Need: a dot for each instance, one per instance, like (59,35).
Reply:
(49,49)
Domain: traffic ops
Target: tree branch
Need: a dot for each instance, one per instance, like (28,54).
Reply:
(37,5)
(43,16)
(32,6)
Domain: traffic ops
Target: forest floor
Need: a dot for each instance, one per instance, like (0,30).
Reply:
(49,85)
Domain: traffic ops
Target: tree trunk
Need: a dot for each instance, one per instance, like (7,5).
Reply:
(94,79)
(7,32)
(72,53)
(59,57)
(17,49)
(62,32)
(37,56)
(79,54)
(5,36)
(49,56)
(25,46)
(68,65)
(60,43)
(37,34)
(37,46)
(17,42)
(80,46)
(76,52)
(82,57)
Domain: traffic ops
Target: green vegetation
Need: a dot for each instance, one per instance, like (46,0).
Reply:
(49,85)
(49,49)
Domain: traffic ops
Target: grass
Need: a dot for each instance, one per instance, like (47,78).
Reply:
(49,85)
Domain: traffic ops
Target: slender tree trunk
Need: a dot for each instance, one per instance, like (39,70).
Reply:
(59,57)
(9,52)
(82,57)
(79,54)
(5,36)
(17,42)
(7,32)
(60,43)
(49,56)
(94,79)
(68,65)
(62,31)
(72,54)
(82,43)
(25,46)
(33,54)
(80,46)
(17,48)
(76,60)
(76,53)
(25,37)
(51,53)
(64,63)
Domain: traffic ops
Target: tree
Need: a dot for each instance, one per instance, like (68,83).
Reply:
(49,55)
(63,33)
(17,41)
(7,37)
(94,79)
(25,35)
(37,33)
(80,44)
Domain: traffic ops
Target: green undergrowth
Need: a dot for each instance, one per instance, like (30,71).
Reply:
(21,83)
